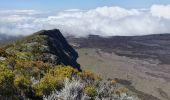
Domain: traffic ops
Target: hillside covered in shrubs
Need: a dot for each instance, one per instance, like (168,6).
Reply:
(43,67)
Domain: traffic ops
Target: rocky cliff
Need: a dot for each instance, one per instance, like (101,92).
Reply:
(46,45)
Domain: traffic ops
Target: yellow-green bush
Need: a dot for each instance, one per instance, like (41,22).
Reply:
(6,81)
(112,82)
(85,74)
(3,52)
(63,72)
(23,55)
(3,63)
(22,82)
(55,77)
(47,84)
(91,91)
(48,78)
(32,68)
(121,90)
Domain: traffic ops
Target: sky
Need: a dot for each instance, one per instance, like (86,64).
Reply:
(83,17)
(76,4)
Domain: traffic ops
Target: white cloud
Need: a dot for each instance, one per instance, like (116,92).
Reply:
(20,12)
(104,21)
(161,11)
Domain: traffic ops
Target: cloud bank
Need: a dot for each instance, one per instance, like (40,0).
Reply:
(104,21)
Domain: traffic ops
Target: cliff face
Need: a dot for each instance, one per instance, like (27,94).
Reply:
(48,46)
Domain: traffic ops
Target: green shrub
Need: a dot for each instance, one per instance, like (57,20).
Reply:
(91,91)
(63,72)
(112,82)
(121,90)
(54,79)
(46,85)
(35,69)
(3,53)
(22,82)
(6,81)
(88,75)
(23,55)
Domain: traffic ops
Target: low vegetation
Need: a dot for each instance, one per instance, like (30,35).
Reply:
(30,69)
(38,80)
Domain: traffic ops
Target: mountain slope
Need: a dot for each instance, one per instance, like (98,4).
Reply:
(43,66)
(149,46)
(141,60)
(36,65)
(47,46)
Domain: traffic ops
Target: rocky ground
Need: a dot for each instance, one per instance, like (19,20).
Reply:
(142,61)
(147,77)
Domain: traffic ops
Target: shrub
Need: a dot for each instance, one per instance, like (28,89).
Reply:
(3,53)
(54,79)
(88,75)
(73,90)
(22,82)
(78,90)
(63,72)
(91,91)
(113,82)
(121,90)
(46,85)
(6,81)
(23,55)
(23,86)
(32,68)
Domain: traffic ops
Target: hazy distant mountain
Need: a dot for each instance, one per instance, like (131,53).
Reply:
(7,38)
